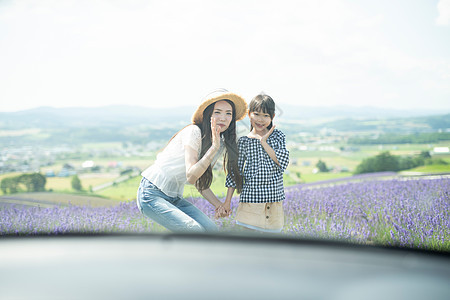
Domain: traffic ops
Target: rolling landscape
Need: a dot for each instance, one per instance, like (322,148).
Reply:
(106,148)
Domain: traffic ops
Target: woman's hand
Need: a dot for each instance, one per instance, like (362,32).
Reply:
(215,132)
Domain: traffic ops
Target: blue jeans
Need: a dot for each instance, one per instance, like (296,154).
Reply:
(174,213)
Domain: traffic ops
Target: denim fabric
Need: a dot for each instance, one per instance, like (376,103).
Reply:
(174,213)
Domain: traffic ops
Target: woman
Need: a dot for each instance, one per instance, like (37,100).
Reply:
(188,158)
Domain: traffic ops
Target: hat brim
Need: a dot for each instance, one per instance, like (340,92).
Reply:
(239,104)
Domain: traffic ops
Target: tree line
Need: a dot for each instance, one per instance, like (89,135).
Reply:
(387,162)
(34,182)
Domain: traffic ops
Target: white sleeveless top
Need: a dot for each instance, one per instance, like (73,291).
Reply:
(168,172)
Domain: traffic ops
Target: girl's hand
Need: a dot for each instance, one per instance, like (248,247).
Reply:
(215,132)
(266,136)
(220,212)
(227,207)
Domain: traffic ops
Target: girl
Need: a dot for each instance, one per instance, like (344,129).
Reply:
(189,157)
(263,158)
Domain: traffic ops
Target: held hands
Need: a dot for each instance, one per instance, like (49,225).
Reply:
(222,211)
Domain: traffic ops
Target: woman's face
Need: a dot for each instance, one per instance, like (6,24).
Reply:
(259,120)
(222,114)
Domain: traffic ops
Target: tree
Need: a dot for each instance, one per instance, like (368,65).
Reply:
(76,183)
(34,182)
(322,166)
(10,185)
(4,186)
(38,182)
(425,154)
(379,163)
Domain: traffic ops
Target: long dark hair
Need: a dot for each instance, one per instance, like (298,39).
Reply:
(265,104)
(231,155)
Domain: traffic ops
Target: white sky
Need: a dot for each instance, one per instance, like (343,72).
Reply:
(384,53)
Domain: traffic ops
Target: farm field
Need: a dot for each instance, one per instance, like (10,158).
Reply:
(406,212)
(63,184)
(127,190)
(124,191)
(46,199)
(432,169)
(140,163)
(301,169)
(397,210)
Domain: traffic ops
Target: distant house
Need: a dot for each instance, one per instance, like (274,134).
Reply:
(67,170)
(68,166)
(112,164)
(50,173)
(441,150)
(66,173)
(87,164)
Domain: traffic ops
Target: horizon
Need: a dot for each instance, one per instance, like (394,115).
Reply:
(284,111)
(170,54)
(193,106)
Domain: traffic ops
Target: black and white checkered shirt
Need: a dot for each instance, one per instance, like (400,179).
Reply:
(263,178)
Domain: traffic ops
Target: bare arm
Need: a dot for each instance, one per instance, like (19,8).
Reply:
(195,167)
(211,198)
(227,203)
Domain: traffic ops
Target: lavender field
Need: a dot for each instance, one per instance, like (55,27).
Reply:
(398,212)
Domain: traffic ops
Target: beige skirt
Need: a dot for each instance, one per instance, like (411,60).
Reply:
(261,216)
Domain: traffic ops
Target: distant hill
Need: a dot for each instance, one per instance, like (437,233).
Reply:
(141,125)
(397,125)
(107,116)
(123,115)
(289,111)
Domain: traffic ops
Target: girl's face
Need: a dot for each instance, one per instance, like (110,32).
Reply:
(223,114)
(259,120)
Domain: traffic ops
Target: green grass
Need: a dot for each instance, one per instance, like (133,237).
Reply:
(217,186)
(127,190)
(307,178)
(123,191)
(432,169)
(64,184)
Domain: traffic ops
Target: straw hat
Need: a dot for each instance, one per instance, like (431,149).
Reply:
(217,95)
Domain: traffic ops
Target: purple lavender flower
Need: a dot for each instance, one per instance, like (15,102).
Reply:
(403,212)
